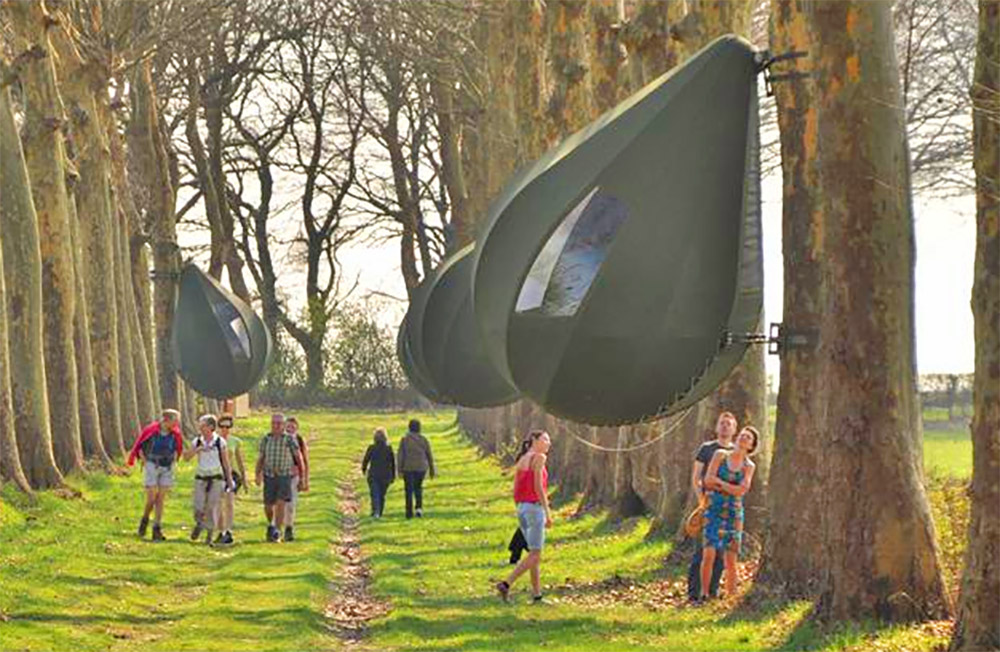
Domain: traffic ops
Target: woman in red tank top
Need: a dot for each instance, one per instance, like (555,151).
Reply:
(531,484)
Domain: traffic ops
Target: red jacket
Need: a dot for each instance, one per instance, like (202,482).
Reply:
(148,432)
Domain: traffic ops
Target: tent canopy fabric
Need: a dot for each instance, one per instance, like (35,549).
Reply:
(609,273)
(221,348)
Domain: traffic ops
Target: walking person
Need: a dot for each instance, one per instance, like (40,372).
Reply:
(235,446)
(159,447)
(415,461)
(277,456)
(212,478)
(727,481)
(379,465)
(300,477)
(531,486)
(725,429)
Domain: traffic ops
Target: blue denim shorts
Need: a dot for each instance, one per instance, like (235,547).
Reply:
(531,517)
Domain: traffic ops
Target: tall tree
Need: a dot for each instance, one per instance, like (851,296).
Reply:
(856,528)
(22,261)
(10,460)
(978,627)
(48,170)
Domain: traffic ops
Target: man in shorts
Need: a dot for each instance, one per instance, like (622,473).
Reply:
(277,457)
(159,446)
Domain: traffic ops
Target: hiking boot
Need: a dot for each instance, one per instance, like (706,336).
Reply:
(158,533)
(196,532)
(537,599)
(503,588)
(227,538)
(289,534)
(420,513)
(219,540)
(143,524)
(273,534)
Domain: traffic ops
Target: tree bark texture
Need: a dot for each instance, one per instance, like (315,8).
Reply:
(22,269)
(978,624)
(849,518)
(44,131)
(10,460)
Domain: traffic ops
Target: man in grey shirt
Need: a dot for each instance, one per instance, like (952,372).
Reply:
(414,460)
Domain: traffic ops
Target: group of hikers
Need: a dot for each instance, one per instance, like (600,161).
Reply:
(720,477)
(282,468)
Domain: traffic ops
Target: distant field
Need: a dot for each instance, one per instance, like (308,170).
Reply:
(947,447)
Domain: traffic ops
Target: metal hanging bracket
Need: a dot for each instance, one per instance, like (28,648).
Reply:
(780,338)
(765,60)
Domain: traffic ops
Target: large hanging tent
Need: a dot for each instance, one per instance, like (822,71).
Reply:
(221,348)
(410,342)
(455,358)
(610,272)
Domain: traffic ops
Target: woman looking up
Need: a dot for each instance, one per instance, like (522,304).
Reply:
(531,484)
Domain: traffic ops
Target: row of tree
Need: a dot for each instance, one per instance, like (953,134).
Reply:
(288,130)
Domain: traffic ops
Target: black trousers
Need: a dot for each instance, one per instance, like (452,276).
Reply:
(694,574)
(377,488)
(413,482)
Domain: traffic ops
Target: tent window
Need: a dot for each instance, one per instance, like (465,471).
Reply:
(567,265)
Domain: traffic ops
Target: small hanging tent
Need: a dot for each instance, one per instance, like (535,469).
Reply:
(610,272)
(453,351)
(221,348)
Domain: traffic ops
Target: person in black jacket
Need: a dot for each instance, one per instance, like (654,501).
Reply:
(380,466)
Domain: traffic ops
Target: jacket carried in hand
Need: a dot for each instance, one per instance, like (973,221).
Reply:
(379,463)
(415,453)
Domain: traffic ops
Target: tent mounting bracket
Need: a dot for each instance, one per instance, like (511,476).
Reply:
(780,338)
(765,60)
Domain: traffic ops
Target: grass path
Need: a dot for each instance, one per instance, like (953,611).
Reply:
(73,575)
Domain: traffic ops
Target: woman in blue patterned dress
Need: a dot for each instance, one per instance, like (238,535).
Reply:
(727,480)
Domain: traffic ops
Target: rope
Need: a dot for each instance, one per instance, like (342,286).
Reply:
(628,449)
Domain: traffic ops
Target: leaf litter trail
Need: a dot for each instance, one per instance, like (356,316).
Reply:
(351,604)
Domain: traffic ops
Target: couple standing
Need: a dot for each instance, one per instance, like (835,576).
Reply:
(720,477)
(415,461)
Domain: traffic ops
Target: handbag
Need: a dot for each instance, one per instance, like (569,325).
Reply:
(695,522)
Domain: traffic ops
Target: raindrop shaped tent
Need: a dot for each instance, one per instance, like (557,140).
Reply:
(221,348)
(455,357)
(610,272)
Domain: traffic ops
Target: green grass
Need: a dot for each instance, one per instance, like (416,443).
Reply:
(73,575)
(948,452)
(438,572)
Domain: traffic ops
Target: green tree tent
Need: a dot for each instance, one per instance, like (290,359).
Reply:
(610,273)
(221,348)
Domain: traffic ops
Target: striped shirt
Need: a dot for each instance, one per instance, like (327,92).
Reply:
(278,453)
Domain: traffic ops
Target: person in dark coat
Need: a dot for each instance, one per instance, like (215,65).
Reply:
(380,466)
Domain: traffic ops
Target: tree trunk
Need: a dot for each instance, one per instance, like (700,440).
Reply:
(22,269)
(127,222)
(10,460)
(93,208)
(149,150)
(978,627)
(849,515)
(76,88)
(47,164)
